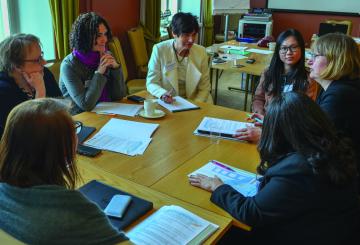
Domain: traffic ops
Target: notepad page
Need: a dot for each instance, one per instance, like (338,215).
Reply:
(117,108)
(260,51)
(180,104)
(171,225)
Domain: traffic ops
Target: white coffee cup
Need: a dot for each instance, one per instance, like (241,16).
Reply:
(271,46)
(149,107)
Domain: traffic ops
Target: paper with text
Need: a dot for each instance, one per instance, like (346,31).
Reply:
(117,108)
(180,104)
(123,136)
(225,128)
(244,182)
(171,225)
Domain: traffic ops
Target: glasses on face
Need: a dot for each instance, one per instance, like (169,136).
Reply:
(38,60)
(78,126)
(285,49)
(313,55)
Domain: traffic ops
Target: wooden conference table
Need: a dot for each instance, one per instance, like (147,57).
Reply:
(173,153)
(251,70)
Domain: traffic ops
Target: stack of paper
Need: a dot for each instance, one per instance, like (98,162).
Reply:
(127,137)
(224,128)
(244,182)
(172,225)
(117,108)
(180,104)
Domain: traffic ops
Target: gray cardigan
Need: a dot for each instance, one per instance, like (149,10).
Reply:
(53,215)
(83,86)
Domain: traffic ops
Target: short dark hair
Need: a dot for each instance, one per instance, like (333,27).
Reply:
(13,50)
(182,23)
(273,81)
(85,30)
(38,145)
(295,123)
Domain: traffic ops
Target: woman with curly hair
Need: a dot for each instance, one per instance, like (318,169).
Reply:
(90,74)
(308,191)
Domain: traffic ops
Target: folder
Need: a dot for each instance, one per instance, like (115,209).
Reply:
(101,194)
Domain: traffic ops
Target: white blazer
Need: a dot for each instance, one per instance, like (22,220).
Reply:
(163,73)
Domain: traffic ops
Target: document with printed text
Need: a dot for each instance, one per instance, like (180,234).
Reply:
(117,108)
(172,225)
(224,128)
(244,182)
(180,104)
(123,136)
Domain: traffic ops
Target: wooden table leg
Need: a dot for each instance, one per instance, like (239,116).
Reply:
(247,80)
(216,86)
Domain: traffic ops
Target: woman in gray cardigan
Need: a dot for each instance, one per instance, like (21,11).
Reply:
(90,74)
(38,176)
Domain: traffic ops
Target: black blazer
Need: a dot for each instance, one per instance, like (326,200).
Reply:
(294,206)
(11,95)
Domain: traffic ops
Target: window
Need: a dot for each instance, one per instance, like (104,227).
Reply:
(171,7)
(20,16)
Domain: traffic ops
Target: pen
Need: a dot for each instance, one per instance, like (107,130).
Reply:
(222,165)
(256,119)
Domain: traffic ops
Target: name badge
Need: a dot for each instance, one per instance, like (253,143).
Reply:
(288,88)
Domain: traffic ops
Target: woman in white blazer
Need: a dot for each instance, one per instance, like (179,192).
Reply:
(179,66)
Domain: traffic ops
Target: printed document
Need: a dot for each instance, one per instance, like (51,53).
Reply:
(117,108)
(172,225)
(123,136)
(244,182)
(180,104)
(225,128)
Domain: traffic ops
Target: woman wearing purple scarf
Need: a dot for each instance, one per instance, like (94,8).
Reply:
(90,73)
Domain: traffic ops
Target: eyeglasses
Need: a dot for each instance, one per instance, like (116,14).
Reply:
(78,126)
(313,56)
(38,60)
(285,49)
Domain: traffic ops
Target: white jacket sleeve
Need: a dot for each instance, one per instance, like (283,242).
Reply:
(154,76)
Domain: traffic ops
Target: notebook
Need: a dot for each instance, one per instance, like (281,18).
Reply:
(101,194)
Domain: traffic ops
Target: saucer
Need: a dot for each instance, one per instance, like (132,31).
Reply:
(157,114)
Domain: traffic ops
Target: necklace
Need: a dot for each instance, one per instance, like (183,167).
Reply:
(176,54)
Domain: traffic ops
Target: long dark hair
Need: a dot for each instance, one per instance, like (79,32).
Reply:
(85,30)
(273,75)
(295,123)
(38,145)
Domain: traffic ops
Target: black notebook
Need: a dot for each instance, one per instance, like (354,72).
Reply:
(101,194)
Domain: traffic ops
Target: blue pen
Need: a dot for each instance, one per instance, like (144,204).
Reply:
(256,119)
(222,165)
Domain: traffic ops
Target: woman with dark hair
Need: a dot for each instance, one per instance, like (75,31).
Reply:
(179,66)
(22,73)
(335,65)
(308,190)
(90,74)
(285,73)
(38,175)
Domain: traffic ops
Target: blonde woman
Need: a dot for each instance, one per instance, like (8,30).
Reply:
(335,65)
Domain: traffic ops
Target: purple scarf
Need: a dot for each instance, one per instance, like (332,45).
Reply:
(92,60)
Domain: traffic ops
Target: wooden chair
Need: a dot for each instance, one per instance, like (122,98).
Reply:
(138,47)
(54,67)
(134,85)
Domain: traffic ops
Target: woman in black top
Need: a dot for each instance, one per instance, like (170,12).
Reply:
(335,65)
(308,191)
(22,74)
